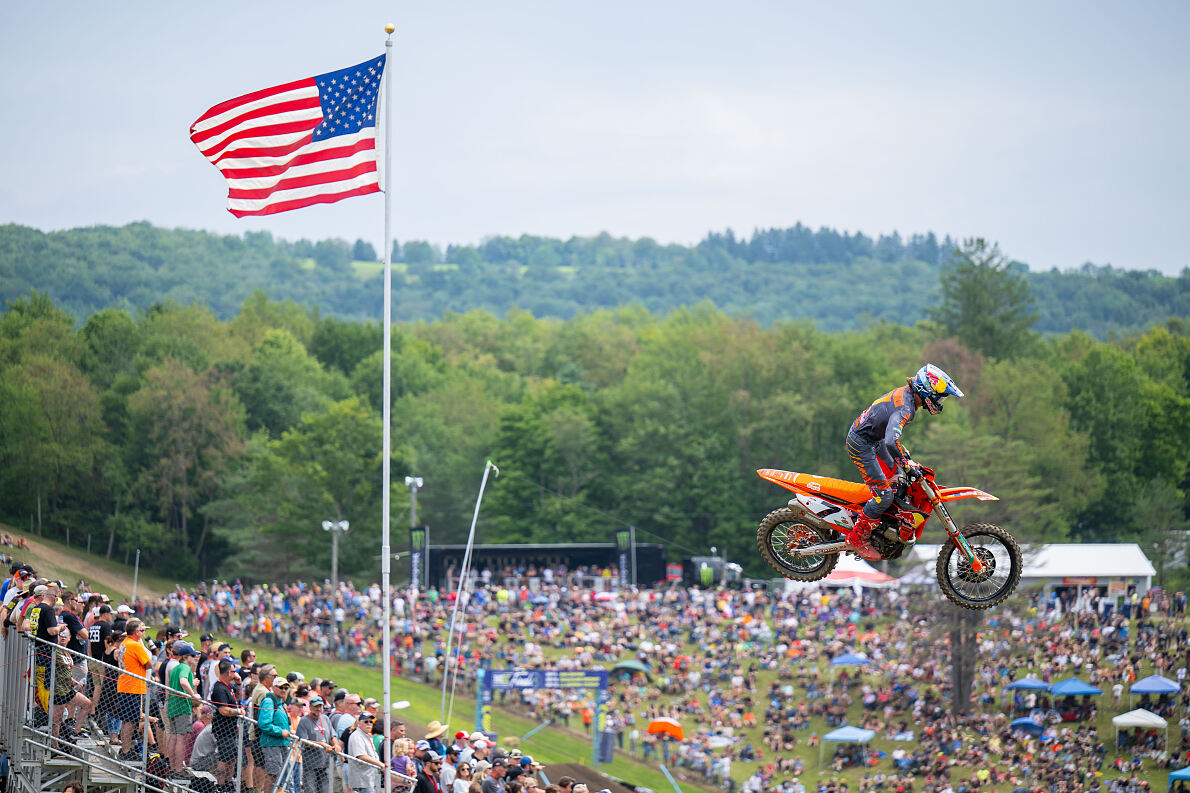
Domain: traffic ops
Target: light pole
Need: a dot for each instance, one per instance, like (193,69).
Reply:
(335,527)
(413,483)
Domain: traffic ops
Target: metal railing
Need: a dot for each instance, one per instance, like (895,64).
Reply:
(41,682)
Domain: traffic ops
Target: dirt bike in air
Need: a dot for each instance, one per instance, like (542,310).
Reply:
(978,566)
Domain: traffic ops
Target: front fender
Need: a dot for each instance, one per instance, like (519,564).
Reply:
(959,493)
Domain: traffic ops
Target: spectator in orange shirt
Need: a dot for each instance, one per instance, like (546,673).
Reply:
(129,690)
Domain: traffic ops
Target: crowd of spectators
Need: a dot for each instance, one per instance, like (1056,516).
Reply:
(746,671)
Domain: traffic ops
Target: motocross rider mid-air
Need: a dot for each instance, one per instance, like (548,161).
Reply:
(873,442)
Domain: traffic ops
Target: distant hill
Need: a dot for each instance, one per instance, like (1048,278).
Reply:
(836,280)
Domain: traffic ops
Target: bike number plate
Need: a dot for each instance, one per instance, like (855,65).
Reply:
(827,511)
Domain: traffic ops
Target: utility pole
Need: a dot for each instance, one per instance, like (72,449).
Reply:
(413,483)
(335,527)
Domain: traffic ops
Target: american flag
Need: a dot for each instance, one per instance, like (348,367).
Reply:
(311,141)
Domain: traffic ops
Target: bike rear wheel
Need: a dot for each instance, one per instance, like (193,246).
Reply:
(1000,572)
(783,530)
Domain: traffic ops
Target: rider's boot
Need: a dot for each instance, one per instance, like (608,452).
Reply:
(860,538)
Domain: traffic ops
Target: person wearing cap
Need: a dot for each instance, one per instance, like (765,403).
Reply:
(226,716)
(123,613)
(467,754)
(428,778)
(262,688)
(273,728)
(179,707)
(460,741)
(315,727)
(22,577)
(494,783)
(101,690)
(364,772)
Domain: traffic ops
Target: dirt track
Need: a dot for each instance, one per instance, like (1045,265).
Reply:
(74,567)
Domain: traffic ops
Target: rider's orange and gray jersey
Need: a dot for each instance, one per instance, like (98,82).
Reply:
(881,425)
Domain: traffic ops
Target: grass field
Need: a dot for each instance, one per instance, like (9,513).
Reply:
(550,745)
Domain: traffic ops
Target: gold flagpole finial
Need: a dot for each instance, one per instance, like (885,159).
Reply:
(389,27)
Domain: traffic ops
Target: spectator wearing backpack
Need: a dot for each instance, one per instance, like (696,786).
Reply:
(272,724)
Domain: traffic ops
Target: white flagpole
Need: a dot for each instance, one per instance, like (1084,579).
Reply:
(454,614)
(385,554)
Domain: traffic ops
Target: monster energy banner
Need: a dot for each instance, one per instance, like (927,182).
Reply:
(417,554)
(624,546)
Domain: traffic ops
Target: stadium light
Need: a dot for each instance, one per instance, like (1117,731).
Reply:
(335,527)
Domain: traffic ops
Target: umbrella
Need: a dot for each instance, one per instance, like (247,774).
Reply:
(849,659)
(603,597)
(540,600)
(667,726)
(1028,725)
(631,666)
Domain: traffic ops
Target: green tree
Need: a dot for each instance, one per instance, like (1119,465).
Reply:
(187,429)
(1136,429)
(325,467)
(64,440)
(281,381)
(1166,531)
(363,251)
(985,300)
(552,456)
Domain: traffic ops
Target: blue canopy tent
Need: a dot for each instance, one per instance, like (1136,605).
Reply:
(1026,684)
(1181,773)
(849,659)
(845,735)
(1028,725)
(1074,688)
(1153,684)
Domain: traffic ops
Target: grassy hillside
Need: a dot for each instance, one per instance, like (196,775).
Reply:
(56,560)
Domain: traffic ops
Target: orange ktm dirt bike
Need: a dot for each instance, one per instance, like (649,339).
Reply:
(977,568)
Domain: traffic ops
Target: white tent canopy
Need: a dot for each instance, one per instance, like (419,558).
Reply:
(1140,719)
(1077,561)
(848,572)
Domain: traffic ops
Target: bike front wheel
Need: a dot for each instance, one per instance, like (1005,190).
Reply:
(999,573)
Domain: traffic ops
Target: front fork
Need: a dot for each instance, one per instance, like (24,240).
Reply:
(952,530)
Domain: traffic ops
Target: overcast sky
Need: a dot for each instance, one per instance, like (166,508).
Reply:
(1057,129)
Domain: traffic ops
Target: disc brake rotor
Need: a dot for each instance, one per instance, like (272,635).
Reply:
(795,536)
(987,566)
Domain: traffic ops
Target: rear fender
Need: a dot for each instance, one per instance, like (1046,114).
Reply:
(960,493)
(783,478)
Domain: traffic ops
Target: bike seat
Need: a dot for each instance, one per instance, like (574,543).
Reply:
(822,486)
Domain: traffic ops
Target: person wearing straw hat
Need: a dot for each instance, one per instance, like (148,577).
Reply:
(434,731)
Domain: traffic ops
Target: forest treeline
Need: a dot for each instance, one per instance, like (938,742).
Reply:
(837,280)
(218,446)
